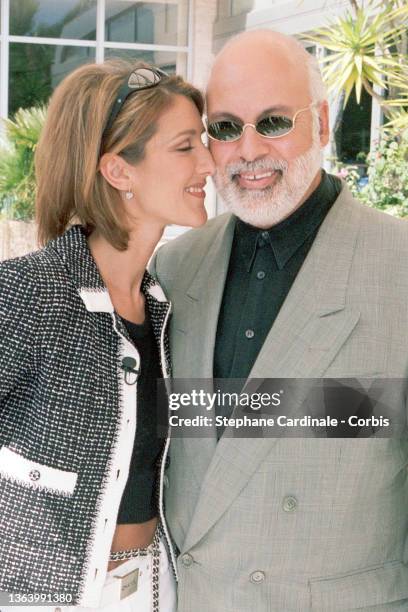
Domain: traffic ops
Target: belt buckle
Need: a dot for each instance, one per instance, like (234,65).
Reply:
(128,583)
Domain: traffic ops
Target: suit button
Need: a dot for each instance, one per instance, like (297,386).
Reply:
(187,560)
(257,577)
(289,503)
(34,475)
(166,481)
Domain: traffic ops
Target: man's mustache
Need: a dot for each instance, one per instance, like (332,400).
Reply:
(232,170)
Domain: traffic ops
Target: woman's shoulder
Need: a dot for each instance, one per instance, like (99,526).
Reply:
(34,273)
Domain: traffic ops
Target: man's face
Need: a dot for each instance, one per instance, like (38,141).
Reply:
(263,180)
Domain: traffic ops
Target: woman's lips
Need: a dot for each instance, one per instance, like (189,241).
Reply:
(196,191)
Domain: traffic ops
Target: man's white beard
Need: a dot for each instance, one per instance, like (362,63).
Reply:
(267,207)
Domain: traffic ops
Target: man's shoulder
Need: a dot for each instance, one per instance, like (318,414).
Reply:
(192,242)
(384,228)
(376,224)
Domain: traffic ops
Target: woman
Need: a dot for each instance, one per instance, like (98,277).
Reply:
(83,340)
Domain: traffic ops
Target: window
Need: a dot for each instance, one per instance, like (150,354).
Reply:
(47,39)
(353,133)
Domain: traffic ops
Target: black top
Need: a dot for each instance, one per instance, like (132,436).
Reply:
(263,265)
(139,502)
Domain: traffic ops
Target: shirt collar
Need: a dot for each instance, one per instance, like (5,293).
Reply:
(287,237)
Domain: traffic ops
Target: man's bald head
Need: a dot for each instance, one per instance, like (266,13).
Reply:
(267,40)
(275,48)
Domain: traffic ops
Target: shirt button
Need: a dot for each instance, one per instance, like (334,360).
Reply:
(265,235)
(187,560)
(261,275)
(289,503)
(250,333)
(257,577)
(34,475)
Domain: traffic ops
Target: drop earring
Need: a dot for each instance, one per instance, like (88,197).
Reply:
(128,195)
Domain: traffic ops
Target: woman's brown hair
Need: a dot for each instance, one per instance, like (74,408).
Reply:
(69,184)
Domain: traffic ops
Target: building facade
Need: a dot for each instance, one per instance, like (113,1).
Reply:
(42,40)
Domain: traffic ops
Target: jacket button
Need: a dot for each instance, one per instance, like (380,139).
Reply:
(187,560)
(257,577)
(166,481)
(34,475)
(289,503)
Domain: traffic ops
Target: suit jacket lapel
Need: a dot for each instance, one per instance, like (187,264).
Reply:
(315,320)
(312,325)
(194,328)
(194,323)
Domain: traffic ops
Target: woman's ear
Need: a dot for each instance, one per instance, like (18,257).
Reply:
(116,171)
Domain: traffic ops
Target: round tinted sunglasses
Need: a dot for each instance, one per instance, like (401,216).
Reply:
(141,78)
(270,126)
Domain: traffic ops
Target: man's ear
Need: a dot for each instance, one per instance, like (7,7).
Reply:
(116,171)
(324,128)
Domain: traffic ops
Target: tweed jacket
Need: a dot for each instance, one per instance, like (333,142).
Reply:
(295,524)
(68,419)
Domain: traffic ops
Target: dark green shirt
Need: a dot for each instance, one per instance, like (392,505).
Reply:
(263,265)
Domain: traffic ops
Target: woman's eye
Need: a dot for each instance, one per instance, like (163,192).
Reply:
(187,148)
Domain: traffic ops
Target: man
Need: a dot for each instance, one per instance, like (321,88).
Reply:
(297,280)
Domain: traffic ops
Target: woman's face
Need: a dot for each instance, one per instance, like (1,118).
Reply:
(168,183)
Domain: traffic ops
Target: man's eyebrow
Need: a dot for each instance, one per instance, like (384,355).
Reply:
(279,108)
(220,116)
(225,116)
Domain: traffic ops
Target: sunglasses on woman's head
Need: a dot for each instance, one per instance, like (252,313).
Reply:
(270,126)
(141,78)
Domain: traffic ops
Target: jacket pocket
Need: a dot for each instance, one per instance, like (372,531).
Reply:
(373,586)
(15,467)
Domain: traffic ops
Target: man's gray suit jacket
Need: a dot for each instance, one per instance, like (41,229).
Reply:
(300,524)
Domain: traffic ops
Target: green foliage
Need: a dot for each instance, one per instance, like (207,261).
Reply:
(387,187)
(398,119)
(348,173)
(17,179)
(363,50)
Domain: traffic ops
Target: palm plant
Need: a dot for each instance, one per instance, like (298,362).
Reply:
(17,178)
(397,116)
(363,51)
